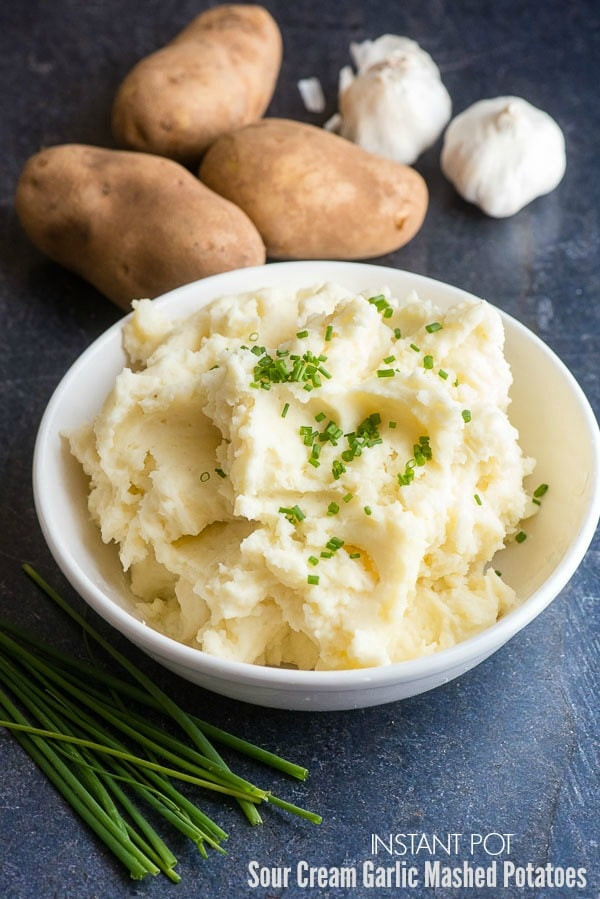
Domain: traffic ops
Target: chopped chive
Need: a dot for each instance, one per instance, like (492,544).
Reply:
(416,348)
(257,350)
(313,579)
(334,543)
(316,450)
(397,333)
(220,472)
(428,361)
(312,560)
(328,332)
(389,359)
(324,372)
(391,424)
(536,501)
(498,573)
(333,508)
(285,409)
(205,476)
(320,416)
(314,462)
(521,536)
(540,491)
(434,326)
(477,499)
(388,312)
(348,497)
(367,510)
(301,334)
(385,373)
(456,383)
(337,469)
(354,555)
(466,414)
(443,374)
(326,554)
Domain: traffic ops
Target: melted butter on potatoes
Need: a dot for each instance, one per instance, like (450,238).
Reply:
(311,477)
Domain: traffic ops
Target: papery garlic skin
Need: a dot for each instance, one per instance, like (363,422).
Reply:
(503,153)
(396,106)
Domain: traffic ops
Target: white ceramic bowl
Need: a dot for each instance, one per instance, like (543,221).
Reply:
(556,426)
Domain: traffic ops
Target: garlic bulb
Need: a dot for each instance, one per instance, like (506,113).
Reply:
(396,106)
(503,153)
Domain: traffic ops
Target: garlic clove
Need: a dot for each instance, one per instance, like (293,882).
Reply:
(501,154)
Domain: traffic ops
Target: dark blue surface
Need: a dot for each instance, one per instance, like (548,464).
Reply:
(511,747)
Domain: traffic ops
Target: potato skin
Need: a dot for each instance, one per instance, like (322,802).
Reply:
(132,224)
(314,195)
(217,74)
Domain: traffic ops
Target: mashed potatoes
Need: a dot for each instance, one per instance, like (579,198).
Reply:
(311,477)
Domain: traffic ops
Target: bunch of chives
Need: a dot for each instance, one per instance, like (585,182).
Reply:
(73,721)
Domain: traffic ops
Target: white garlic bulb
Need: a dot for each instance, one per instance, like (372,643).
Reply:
(503,153)
(396,106)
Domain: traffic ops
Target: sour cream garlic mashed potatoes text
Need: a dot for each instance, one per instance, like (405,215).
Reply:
(311,477)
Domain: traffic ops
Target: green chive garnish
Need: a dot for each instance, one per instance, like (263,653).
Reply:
(427,361)
(466,414)
(312,560)
(301,334)
(385,373)
(434,326)
(416,348)
(443,374)
(313,579)
(367,510)
(220,472)
(354,555)
(521,536)
(477,499)
(397,333)
(328,332)
(333,508)
(320,416)
(389,359)
(284,411)
(540,491)
(348,497)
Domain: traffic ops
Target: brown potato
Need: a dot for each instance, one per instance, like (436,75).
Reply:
(218,74)
(132,224)
(314,195)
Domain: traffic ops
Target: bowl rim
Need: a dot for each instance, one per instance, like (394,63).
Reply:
(162,647)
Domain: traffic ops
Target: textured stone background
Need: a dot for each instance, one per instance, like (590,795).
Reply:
(511,746)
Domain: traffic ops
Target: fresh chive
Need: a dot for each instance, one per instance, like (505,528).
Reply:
(313,579)
(536,501)
(443,374)
(320,416)
(416,348)
(428,361)
(285,410)
(220,472)
(301,334)
(391,424)
(368,510)
(348,497)
(354,555)
(387,313)
(466,414)
(333,508)
(521,536)
(385,373)
(498,573)
(397,333)
(389,359)
(432,327)
(312,560)
(477,499)
(326,554)
(328,332)
(540,491)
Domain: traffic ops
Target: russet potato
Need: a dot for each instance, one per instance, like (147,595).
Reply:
(217,74)
(132,224)
(314,195)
